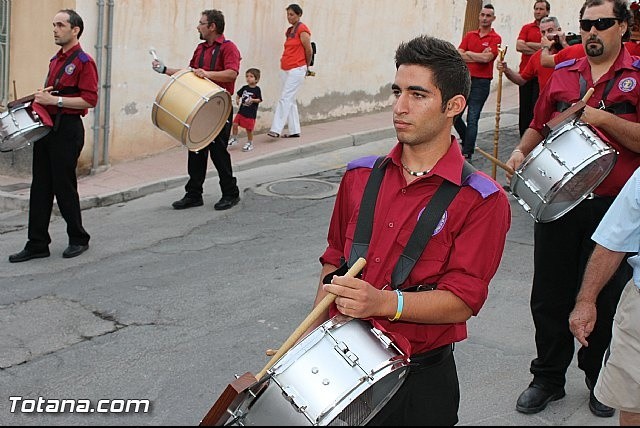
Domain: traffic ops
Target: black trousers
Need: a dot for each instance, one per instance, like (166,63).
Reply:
(429,396)
(55,158)
(561,251)
(197,165)
(528,96)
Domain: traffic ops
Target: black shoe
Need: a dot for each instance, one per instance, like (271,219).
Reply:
(468,156)
(25,255)
(74,250)
(596,407)
(226,202)
(535,398)
(187,202)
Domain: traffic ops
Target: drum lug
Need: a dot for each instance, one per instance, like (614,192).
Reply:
(344,352)
(382,338)
(292,396)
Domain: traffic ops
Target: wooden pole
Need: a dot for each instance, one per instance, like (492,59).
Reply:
(496,133)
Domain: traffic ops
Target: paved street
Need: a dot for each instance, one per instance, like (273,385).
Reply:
(168,305)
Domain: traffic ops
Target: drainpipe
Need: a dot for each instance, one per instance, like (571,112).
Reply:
(107,84)
(96,109)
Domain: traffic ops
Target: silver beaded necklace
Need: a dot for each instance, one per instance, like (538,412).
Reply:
(415,173)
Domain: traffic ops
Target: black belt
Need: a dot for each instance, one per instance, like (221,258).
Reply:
(432,357)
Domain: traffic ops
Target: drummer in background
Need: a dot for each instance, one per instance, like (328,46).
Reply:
(450,281)
(74,77)
(217,59)
(562,246)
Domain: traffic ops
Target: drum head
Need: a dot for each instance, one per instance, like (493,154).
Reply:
(567,195)
(207,121)
(561,172)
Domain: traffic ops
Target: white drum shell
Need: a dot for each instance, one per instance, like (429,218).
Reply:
(316,380)
(19,127)
(559,173)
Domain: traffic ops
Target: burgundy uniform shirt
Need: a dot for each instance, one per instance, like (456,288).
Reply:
(462,255)
(228,58)
(79,76)
(564,86)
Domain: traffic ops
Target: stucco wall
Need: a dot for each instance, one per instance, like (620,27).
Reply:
(356,44)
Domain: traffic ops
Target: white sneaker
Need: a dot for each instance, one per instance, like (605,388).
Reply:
(248,146)
(232,141)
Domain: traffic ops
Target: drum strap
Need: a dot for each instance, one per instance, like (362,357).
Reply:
(214,57)
(616,108)
(57,81)
(423,230)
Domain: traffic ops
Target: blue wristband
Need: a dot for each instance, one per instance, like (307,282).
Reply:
(400,306)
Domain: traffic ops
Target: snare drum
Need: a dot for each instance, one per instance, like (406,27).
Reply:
(559,173)
(20,126)
(191,110)
(342,373)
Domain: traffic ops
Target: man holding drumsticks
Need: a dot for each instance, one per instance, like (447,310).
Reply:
(217,59)
(562,246)
(73,76)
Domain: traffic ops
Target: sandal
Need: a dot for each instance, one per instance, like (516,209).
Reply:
(273,134)
(290,136)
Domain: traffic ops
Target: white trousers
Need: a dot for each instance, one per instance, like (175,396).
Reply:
(287,110)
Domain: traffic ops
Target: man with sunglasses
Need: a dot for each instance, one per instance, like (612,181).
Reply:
(562,246)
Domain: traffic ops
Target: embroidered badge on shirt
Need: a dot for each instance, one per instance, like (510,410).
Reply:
(627,84)
(69,69)
(441,223)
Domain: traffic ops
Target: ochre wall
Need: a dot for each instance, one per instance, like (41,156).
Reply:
(355,62)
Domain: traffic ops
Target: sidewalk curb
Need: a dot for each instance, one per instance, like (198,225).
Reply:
(10,202)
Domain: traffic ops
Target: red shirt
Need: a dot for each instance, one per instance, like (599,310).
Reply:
(534,68)
(529,33)
(79,79)
(293,55)
(474,42)
(228,59)
(462,256)
(564,86)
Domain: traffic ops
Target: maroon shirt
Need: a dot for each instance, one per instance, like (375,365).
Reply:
(228,58)
(462,255)
(564,86)
(79,79)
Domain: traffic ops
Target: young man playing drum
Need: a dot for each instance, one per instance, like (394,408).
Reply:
(74,78)
(217,59)
(562,246)
(425,311)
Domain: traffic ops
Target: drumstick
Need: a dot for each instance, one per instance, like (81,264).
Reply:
(496,161)
(587,95)
(309,320)
(27,98)
(152,51)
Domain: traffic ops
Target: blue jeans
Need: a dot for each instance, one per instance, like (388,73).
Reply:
(468,132)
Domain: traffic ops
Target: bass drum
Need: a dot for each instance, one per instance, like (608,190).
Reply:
(191,110)
(559,173)
(342,373)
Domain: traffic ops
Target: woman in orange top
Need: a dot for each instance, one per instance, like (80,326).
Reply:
(294,66)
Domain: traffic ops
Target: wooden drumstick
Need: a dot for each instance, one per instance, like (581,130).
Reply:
(27,98)
(309,320)
(496,161)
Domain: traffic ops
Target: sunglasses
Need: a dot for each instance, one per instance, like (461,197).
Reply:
(601,24)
